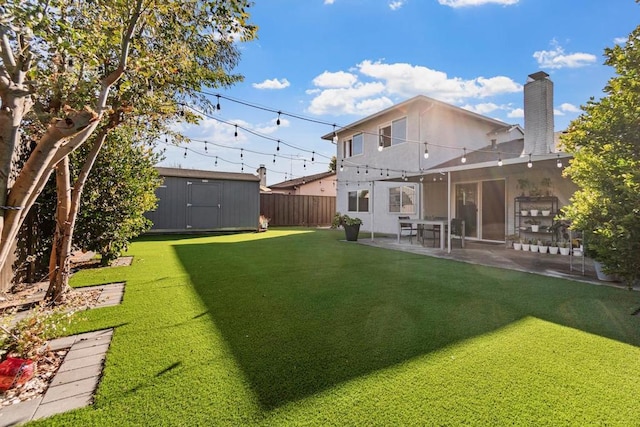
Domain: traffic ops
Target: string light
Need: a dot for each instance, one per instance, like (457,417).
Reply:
(358,169)
(218,104)
(274,158)
(242,153)
(313,156)
(278,121)
(335,135)
(559,162)
(185,152)
(387,173)
(499,159)
(216,163)
(464,156)
(242,168)
(278,146)
(426,151)
(529,163)
(236,132)
(380,143)
(205,147)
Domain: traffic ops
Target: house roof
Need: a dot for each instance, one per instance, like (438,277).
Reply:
(303,180)
(202,174)
(511,152)
(420,98)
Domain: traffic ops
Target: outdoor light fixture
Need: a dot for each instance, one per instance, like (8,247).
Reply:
(464,156)
(559,162)
(529,164)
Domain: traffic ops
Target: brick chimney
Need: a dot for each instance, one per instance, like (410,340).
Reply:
(538,114)
(262,174)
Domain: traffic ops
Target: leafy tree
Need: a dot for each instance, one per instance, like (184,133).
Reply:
(605,144)
(332,164)
(73,70)
(116,195)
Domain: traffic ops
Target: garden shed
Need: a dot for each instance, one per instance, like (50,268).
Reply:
(198,200)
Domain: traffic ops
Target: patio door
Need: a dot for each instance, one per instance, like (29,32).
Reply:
(467,207)
(493,210)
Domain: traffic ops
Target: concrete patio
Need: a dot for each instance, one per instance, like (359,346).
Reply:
(498,255)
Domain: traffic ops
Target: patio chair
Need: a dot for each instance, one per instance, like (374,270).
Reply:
(431,232)
(405,226)
(457,230)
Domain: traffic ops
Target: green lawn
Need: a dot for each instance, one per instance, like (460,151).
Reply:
(295,327)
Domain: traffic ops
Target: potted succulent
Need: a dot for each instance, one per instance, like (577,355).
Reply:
(534,246)
(526,245)
(351,225)
(553,248)
(535,224)
(565,247)
(543,247)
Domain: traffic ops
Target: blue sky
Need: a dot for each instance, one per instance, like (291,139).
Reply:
(336,61)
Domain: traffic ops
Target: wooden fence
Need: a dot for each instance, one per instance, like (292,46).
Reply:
(287,210)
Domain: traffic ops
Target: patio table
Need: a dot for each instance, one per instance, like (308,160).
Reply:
(440,222)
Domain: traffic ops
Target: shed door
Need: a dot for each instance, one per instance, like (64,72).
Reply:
(203,205)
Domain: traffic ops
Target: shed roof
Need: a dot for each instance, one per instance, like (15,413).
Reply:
(202,174)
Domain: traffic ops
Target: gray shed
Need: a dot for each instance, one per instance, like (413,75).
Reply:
(193,200)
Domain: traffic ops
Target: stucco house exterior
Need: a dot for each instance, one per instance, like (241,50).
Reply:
(425,158)
(320,184)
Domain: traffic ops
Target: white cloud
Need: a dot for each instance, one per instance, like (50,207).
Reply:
(371,86)
(272,126)
(620,40)
(339,79)
(557,58)
(569,108)
(517,113)
(465,3)
(272,84)
(483,108)
(557,112)
(329,1)
(395,5)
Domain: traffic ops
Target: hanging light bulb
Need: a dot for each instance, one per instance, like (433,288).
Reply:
(205,146)
(242,168)
(313,156)
(499,159)
(185,152)
(380,143)
(335,135)
(529,163)
(236,132)
(341,165)
(387,173)
(274,158)
(426,151)
(381,174)
(218,104)
(278,146)
(358,169)
(216,163)
(559,162)
(464,156)
(421,178)
(366,169)
(242,153)
(278,121)
(304,164)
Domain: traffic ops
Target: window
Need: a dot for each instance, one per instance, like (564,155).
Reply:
(353,146)
(402,199)
(359,201)
(394,133)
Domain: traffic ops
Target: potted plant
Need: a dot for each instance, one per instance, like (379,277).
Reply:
(564,247)
(545,185)
(545,212)
(524,211)
(523,184)
(534,246)
(535,224)
(534,212)
(351,225)
(553,248)
(526,245)
(543,247)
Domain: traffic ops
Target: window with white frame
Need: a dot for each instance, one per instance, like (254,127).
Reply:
(394,133)
(402,199)
(359,201)
(353,146)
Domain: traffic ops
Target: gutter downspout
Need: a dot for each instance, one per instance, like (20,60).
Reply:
(449,212)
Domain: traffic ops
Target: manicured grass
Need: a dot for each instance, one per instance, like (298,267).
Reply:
(297,327)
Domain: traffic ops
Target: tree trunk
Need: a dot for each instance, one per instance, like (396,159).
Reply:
(66,217)
(59,260)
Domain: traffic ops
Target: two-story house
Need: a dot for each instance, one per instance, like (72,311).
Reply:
(426,158)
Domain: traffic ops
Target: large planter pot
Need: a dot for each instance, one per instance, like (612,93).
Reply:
(543,249)
(351,232)
(553,250)
(534,248)
(601,274)
(564,251)
(535,228)
(517,246)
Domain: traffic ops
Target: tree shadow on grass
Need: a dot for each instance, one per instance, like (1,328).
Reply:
(304,313)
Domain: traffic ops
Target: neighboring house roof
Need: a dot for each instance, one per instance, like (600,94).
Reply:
(201,174)
(420,98)
(301,181)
